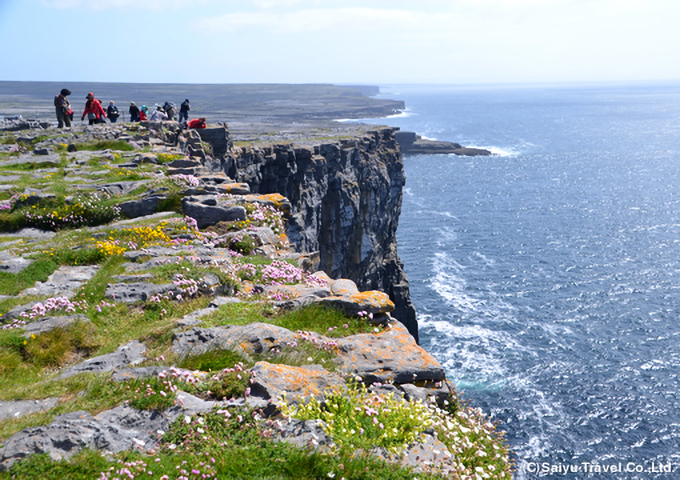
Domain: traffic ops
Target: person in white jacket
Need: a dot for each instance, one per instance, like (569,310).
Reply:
(158,115)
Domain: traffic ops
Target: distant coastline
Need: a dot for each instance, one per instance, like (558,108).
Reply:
(246,107)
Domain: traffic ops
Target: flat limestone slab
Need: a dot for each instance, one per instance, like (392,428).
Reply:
(63,282)
(389,356)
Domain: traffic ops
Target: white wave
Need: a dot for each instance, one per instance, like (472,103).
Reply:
(498,151)
(347,120)
(402,114)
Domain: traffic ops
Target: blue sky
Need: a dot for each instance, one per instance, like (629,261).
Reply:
(324,41)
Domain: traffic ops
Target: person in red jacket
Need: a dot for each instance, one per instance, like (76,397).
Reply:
(197,123)
(93,109)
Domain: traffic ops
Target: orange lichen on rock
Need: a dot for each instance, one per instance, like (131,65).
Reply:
(277,200)
(389,356)
(373,301)
(296,383)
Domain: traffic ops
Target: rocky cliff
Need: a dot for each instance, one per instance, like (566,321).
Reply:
(346,200)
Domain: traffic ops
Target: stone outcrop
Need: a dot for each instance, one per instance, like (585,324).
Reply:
(121,428)
(346,201)
(341,202)
(129,354)
(413,144)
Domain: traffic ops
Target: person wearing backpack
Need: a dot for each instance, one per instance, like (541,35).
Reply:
(93,109)
(112,112)
(63,108)
(184,111)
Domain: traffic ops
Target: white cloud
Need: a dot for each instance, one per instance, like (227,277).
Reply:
(156,5)
(324,20)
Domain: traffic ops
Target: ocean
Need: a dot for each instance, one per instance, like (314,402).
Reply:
(547,277)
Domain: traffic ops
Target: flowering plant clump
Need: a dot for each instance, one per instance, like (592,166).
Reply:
(18,148)
(16,323)
(184,180)
(355,418)
(188,286)
(142,469)
(267,216)
(277,273)
(320,343)
(476,445)
(137,238)
(156,393)
(222,385)
(85,212)
(258,215)
(8,205)
(133,239)
(241,242)
(54,304)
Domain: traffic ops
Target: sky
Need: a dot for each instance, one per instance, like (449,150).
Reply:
(335,41)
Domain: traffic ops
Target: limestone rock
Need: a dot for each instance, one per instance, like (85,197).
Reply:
(141,207)
(19,408)
(247,339)
(374,302)
(299,384)
(13,264)
(136,292)
(121,188)
(343,287)
(121,428)
(388,356)
(208,211)
(63,282)
(130,354)
(50,323)
(303,433)
(345,204)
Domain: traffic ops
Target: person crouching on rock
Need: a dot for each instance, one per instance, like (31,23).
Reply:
(197,123)
(93,109)
(63,108)
(142,113)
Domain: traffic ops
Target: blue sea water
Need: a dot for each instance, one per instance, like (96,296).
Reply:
(547,277)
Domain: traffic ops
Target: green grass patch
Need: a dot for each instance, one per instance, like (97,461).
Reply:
(314,318)
(252,458)
(106,145)
(38,271)
(57,347)
(93,291)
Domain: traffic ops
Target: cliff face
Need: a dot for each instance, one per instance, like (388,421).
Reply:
(346,198)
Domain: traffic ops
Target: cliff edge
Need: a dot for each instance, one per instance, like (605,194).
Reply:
(164,318)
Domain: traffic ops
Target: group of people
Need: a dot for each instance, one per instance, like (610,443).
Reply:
(96,114)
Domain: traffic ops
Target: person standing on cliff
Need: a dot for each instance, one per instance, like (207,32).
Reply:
(134,112)
(93,109)
(184,111)
(112,112)
(63,108)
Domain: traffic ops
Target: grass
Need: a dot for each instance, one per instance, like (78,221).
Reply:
(315,318)
(38,271)
(106,145)
(249,457)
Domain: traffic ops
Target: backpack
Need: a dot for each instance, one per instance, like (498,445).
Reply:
(57,101)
